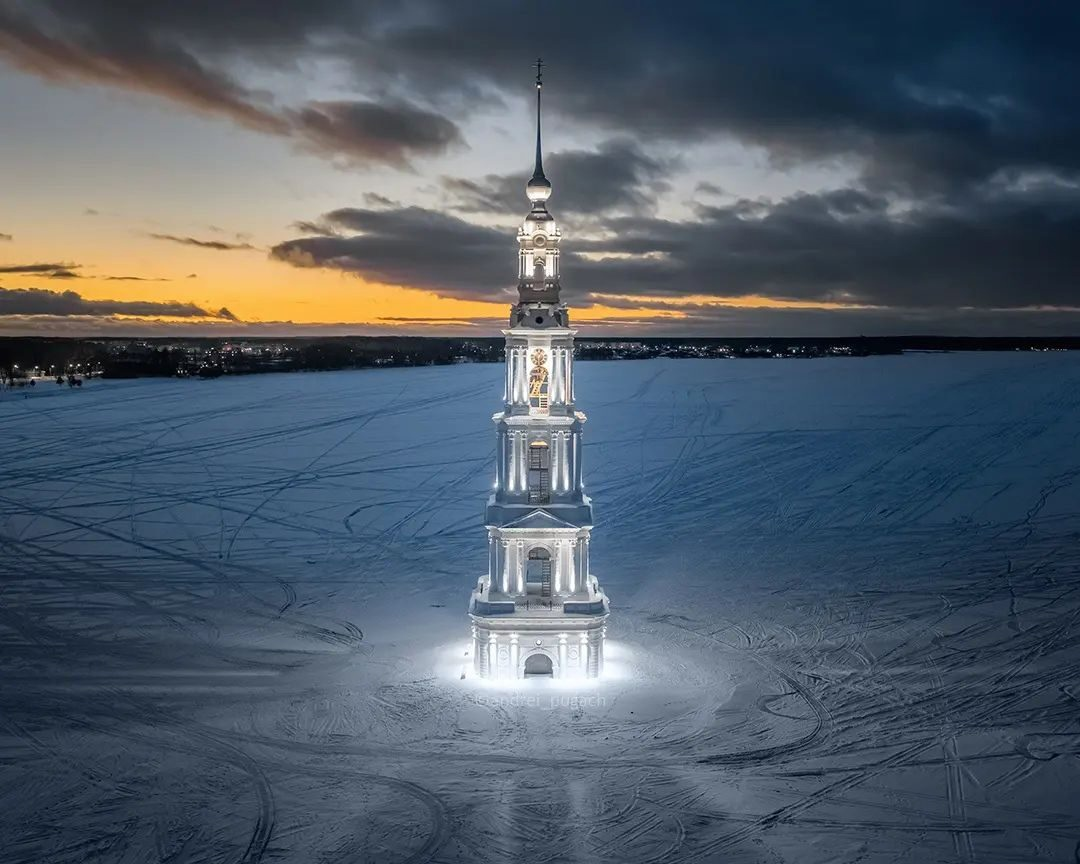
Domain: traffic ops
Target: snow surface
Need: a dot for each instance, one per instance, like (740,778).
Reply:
(844,626)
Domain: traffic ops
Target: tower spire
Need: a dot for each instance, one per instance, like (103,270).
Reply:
(538,171)
(538,189)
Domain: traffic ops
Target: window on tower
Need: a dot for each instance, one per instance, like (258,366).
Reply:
(539,473)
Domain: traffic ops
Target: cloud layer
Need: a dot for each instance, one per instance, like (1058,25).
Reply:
(185,56)
(957,124)
(216,245)
(844,247)
(38,301)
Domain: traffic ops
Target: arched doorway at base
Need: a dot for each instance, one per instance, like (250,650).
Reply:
(539,665)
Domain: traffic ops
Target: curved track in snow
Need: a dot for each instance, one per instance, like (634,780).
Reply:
(845,626)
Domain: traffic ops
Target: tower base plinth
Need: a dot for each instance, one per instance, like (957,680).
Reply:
(538,642)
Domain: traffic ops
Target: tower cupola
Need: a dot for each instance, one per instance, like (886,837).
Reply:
(539,305)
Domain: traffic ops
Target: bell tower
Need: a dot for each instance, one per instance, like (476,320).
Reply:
(539,610)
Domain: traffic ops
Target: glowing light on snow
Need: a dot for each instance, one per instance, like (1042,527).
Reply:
(454,663)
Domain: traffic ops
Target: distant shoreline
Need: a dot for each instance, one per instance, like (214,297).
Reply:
(23,358)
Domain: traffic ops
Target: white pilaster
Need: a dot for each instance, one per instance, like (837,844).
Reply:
(556,463)
(577,460)
(571,558)
(557,565)
(523,376)
(556,377)
(514,461)
(505,569)
(567,460)
(520,566)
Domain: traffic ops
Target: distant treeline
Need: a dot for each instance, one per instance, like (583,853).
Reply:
(210,357)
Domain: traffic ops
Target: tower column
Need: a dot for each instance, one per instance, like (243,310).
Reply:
(522,377)
(558,391)
(566,565)
(564,446)
(523,465)
(504,568)
(512,464)
(511,367)
(520,566)
(500,460)
(571,559)
(577,460)
(555,465)
(557,373)
(557,566)
(564,377)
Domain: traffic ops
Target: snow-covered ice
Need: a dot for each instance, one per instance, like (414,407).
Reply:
(844,619)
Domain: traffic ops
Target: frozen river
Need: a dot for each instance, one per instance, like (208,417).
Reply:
(844,619)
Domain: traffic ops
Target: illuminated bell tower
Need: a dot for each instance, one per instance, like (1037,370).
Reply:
(539,610)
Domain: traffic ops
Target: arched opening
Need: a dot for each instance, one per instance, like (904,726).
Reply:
(538,572)
(538,665)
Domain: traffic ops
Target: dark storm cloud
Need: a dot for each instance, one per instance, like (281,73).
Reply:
(923,95)
(961,121)
(170,50)
(842,247)
(37,301)
(847,247)
(368,130)
(618,175)
(88,42)
(217,245)
(409,246)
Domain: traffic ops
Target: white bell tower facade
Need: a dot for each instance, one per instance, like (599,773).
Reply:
(539,610)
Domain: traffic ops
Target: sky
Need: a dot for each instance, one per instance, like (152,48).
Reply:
(273,167)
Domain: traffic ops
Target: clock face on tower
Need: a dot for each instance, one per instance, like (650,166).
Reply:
(539,241)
